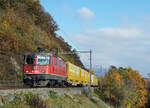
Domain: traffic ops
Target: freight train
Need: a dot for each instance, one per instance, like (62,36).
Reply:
(46,69)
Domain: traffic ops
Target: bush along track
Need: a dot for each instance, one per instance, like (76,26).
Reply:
(66,100)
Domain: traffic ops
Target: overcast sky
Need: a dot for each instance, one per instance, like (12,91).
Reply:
(117,31)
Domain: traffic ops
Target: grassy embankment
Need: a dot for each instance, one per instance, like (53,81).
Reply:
(30,100)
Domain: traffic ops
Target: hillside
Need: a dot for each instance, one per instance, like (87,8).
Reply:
(68,98)
(25,26)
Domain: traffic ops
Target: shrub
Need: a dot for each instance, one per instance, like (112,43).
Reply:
(53,94)
(29,96)
(25,100)
(23,97)
(36,102)
(21,100)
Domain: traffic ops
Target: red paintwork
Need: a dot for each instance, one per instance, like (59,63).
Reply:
(48,69)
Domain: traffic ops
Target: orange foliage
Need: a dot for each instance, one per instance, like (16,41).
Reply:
(124,87)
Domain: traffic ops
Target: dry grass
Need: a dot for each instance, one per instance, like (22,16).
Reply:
(71,101)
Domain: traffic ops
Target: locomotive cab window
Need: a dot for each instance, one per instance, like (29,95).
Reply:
(42,60)
(29,60)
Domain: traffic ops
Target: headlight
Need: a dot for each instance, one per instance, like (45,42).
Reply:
(26,71)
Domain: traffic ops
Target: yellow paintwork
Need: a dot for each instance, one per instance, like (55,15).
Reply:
(88,74)
(73,72)
(92,79)
(87,77)
(95,81)
(80,76)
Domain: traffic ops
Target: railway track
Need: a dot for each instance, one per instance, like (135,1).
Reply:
(15,88)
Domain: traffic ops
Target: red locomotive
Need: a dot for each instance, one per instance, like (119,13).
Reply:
(44,69)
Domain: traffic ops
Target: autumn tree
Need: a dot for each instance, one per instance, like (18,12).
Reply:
(123,87)
(148,90)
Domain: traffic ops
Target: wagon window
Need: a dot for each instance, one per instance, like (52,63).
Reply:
(56,61)
(51,60)
(64,64)
(59,63)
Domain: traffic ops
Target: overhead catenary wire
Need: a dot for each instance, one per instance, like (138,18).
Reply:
(85,58)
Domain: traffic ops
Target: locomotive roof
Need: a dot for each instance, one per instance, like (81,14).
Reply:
(39,53)
(43,53)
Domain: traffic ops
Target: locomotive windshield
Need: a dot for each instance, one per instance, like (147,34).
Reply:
(43,60)
(29,60)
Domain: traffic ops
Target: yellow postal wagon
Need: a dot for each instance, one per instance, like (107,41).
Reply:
(73,73)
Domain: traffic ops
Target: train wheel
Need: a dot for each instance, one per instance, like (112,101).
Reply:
(51,83)
(34,84)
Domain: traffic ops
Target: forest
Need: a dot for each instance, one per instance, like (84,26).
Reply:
(25,27)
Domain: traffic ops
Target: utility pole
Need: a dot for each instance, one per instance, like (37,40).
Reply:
(101,69)
(90,66)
